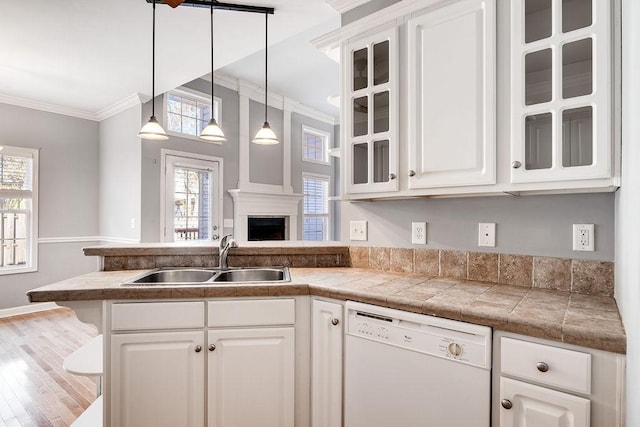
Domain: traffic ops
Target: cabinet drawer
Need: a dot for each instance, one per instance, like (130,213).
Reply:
(157,315)
(567,369)
(251,313)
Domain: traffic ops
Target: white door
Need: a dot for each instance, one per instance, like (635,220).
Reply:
(326,364)
(533,406)
(157,379)
(251,377)
(192,198)
(452,95)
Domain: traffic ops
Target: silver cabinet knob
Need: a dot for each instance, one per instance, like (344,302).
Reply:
(542,366)
(516,164)
(198,348)
(335,321)
(506,404)
(212,347)
(412,173)
(392,176)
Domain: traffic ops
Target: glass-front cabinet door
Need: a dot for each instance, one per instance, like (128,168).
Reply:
(561,90)
(370,106)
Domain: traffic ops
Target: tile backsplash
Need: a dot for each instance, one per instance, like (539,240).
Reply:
(569,275)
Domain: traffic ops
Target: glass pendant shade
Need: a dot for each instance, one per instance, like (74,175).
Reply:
(153,130)
(265,136)
(212,132)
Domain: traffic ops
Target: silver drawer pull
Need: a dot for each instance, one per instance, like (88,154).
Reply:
(542,366)
(506,404)
(412,173)
(335,321)
(392,176)
(198,348)
(212,347)
(516,164)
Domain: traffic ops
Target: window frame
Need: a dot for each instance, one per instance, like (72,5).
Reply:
(327,216)
(193,159)
(327,145)
(32,231)
(193,95)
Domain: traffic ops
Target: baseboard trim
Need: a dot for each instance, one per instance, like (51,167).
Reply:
(26,309)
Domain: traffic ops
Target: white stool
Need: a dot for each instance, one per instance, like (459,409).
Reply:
(87,361)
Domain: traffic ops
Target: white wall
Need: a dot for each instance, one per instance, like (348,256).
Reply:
(68,196)
(120,175)
(627,291)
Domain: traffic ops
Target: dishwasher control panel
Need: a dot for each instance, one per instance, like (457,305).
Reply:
(463,342)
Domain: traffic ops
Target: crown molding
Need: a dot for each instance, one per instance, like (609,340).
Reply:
(120,106)
(343,6)
(50,108)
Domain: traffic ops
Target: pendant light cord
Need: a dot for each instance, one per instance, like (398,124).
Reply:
(212,88)
(266,62)
(153,63)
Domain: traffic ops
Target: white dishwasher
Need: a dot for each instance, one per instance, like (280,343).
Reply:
(405,369)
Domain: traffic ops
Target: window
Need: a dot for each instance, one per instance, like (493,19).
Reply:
(315,145)
(316,207)
(18,209)
(189,113)
(191,195)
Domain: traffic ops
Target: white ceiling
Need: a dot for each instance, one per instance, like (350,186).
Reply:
(90,54)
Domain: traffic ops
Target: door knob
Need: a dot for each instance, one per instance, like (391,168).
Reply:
(212,347)
(506,404)
(335,321)
(198,348)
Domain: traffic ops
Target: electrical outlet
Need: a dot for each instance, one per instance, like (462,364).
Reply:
(419,233)
(487,234)
(584,238)
(358,230)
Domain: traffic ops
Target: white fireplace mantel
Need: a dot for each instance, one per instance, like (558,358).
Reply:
(249,203)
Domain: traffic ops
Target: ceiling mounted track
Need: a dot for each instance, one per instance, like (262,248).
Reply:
(219,5)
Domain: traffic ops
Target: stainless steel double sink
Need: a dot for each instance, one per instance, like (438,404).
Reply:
(210,276)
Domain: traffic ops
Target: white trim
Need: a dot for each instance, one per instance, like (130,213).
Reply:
(120,106)
(163,190)
(26,309)
(256,93)
(327,143)
(75,239)
(107,239)
(45,106)
(343,6)
(194,95)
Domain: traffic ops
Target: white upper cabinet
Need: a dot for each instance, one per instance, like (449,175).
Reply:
(561,68)
(451,109)
(370,111)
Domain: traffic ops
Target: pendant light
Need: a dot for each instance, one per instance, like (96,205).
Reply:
(265,135)
(212,132)
(153,130)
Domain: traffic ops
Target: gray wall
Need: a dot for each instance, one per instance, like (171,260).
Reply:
(120,180)
(266,160)
(628,207)
(298,166)
(68,196)
(530,225)
(152,175)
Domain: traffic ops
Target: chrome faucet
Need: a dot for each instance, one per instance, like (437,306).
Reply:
(226,243)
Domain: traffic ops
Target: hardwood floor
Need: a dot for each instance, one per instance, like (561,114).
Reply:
(34,389)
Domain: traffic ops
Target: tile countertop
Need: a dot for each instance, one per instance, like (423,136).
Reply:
(585,320)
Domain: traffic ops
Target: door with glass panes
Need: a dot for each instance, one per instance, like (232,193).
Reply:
(561,90)
(370,106)
(193,201)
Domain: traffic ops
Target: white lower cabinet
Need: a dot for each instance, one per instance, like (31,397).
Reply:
(326,363)
(541,383)
(157,379)
(527,405)
(239,375)
(251,377)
